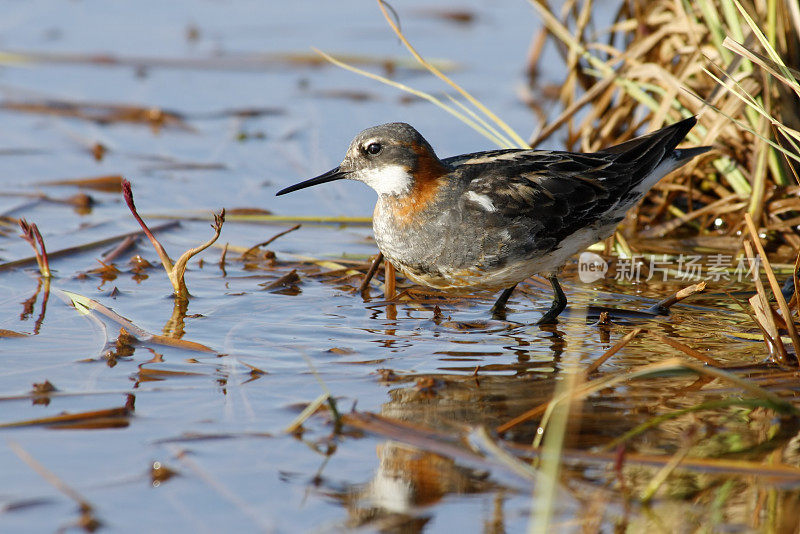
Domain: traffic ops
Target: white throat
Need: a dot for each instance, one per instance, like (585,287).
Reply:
(388,180)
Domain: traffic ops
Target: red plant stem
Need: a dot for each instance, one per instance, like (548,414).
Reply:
(45,261)
(128,194)
(29,236)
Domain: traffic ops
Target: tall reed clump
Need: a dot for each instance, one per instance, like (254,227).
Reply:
(663,60)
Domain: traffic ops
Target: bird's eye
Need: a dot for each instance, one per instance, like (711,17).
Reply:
(374,148)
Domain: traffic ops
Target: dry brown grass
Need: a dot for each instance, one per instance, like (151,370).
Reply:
(664,60)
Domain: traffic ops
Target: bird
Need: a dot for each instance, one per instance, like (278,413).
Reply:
(489,220)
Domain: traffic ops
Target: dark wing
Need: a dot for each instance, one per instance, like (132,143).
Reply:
(475,156)
(547,195)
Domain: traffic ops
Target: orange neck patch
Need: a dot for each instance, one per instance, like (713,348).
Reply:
(429,177)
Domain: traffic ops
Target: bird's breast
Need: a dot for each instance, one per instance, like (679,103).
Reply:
(439,250)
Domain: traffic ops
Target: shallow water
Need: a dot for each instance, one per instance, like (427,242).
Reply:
(218,418)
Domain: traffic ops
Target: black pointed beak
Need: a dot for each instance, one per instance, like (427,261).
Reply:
(331,175)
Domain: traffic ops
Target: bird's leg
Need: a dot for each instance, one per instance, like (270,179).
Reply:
(370,274)
(559,302)
(499,308)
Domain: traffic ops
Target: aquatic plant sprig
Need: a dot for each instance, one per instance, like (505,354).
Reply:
(175,271)
(31,234)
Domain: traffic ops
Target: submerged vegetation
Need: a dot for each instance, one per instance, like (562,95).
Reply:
(678,415)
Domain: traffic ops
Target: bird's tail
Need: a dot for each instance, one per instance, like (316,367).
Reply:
(685,154)
(654,155)
(666,138)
